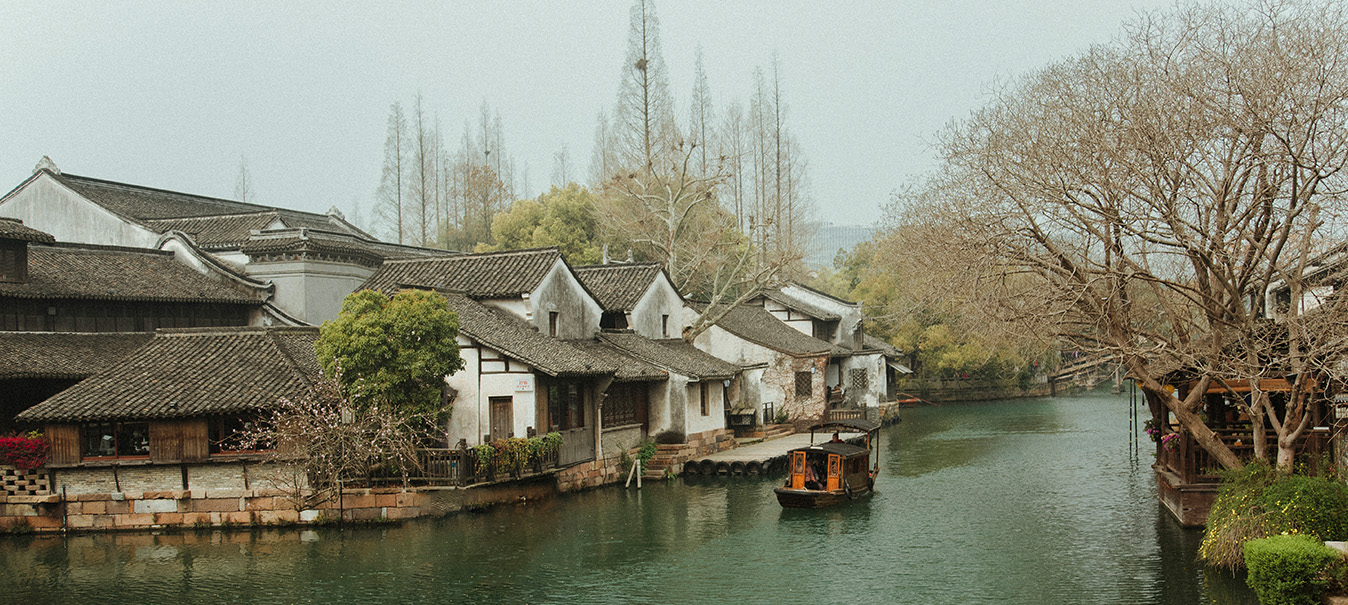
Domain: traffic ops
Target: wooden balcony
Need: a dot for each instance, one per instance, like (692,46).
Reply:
(1193,464)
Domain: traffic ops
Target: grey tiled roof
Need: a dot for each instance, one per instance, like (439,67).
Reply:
(513,336)
(630,369)
(878,344)
(674,354)
(189,373)
(63,354)
(486,275)
(148,204)
(12,228)
(795,303)
(618,286)
(218,224)
(68,271)
(315,240)
(756,325)
(214,232)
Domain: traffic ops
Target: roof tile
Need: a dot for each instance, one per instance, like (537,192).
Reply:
(486,275)
(63,354)
(189,373)
(618,287)
(103,273)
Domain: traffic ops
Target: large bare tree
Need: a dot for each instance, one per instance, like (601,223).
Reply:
(1143,199)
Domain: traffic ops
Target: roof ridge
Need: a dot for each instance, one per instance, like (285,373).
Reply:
(170,191)
(106,248)
(641,264)
(213,216)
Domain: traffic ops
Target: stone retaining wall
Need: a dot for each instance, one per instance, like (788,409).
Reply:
(257,507)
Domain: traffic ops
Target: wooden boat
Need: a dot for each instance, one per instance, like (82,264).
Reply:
(832,472)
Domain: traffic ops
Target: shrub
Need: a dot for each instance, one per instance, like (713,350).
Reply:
(670,437)
(1288,569)
(1255,502)
(24,452)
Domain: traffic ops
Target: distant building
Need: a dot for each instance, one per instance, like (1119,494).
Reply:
(829,238)
(312,260)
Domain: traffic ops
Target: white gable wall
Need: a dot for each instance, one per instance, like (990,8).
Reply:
(560,292)
(660,299)
(47,205)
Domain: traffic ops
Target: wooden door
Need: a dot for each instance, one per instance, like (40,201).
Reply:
(797,470)
(502,417)
(834,472)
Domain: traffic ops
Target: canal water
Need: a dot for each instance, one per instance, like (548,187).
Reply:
(1025,501)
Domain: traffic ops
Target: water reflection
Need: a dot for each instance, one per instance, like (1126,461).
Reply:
(1015,502)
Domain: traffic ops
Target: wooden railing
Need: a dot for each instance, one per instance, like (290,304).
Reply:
(456,466)
(1193,464)
(834,415)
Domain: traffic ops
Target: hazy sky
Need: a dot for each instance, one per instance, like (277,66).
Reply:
(172,94)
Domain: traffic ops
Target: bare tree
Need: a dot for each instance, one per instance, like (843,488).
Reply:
(645,114)
(423,179)
(321,440)
(1140,199)
(701,116)
(243,185)
(561,168)
(388,208)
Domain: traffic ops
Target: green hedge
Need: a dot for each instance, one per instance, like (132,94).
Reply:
(1289,569)
(1256,502)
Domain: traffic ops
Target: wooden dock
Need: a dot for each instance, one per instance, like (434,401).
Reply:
(762,458)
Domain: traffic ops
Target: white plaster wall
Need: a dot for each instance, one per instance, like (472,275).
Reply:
(471,418)
(831,376)
(850,313)
(715,418)
(660,299)
(659,417)
(46,205)
(311,290)
(560,291)
(519,307)
(463,421)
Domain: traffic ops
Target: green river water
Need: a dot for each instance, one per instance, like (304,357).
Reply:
(1024,501)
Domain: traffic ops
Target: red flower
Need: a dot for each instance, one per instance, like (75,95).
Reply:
(24,452)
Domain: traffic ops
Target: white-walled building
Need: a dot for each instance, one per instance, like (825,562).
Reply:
(312,260)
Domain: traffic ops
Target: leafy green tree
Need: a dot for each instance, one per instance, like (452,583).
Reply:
(393,352)
(563,217)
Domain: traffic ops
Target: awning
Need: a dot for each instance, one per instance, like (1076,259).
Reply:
(898,367)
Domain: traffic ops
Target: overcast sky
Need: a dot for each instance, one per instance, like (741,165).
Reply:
(172,94)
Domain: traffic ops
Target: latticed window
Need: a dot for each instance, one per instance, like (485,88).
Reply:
(804,384)
(858,379)
(622,407)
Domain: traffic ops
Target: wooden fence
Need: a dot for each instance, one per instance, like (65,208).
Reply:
(457,467)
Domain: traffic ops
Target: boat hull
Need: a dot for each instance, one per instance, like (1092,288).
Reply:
(806,498)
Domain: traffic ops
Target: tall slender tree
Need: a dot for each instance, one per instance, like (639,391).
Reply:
(645,112)
(702,116)
(243,185)
(389,197)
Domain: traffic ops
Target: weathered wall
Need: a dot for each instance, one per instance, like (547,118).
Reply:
(695,421)
(578,313)
(311,290)
(471,416)
(659,300)
(47,205)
